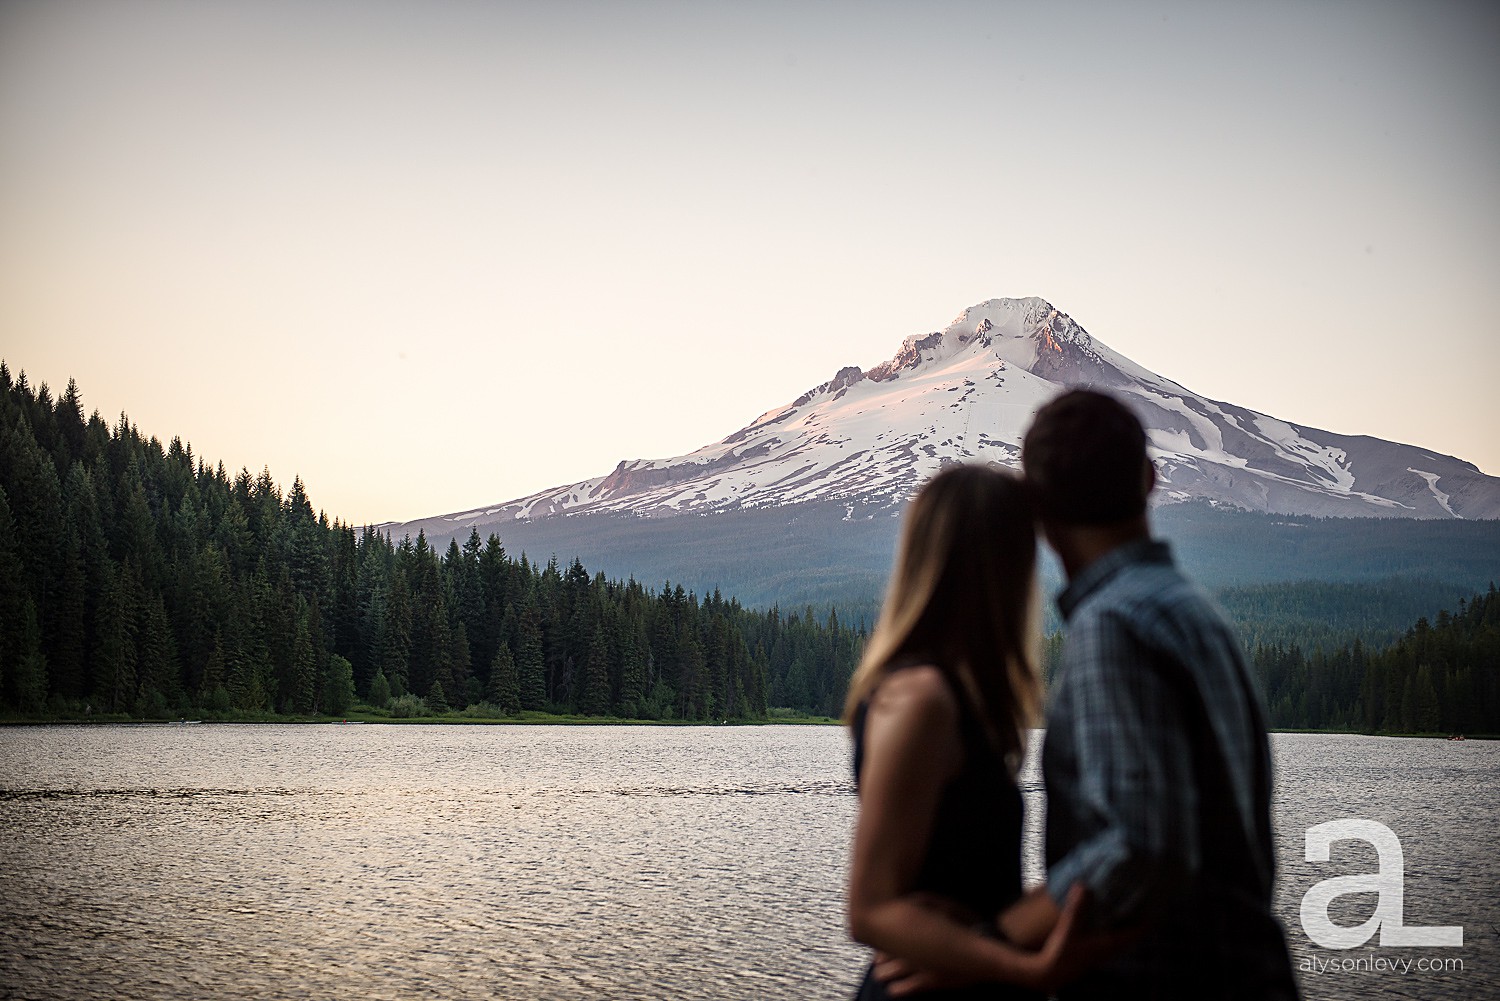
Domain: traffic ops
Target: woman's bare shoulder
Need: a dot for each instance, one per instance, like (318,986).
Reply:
(920,690)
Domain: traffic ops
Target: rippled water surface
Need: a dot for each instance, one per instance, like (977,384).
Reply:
(570,862)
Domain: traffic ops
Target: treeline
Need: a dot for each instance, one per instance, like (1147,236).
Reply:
(1328,614)
(1441,677)
(136,579)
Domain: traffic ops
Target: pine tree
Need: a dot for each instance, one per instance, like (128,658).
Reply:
(493,577)
(67,661)
(12,595)
(31,666)
(35,498)
(633,668)
(504,688)
(395,641)
(1426,711)
(156,659)
(694,698)
(530,666)
(370,598)
(344,582)
(456,676)
(115,657)
(305,674)
(595,698)
(797,694)
(213,691)
(71,430)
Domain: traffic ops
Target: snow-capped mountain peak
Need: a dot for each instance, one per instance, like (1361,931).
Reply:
(967,393)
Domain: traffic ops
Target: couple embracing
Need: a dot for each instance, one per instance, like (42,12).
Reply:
(1156,762)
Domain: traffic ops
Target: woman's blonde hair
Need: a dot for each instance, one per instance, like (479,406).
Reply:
(962,597)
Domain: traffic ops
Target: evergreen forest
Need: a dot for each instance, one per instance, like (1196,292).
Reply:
(137,581)
(1441,677)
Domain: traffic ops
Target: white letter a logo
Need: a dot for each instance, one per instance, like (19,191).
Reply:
(1388,882)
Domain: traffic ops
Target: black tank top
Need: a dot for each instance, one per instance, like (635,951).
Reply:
(974,854)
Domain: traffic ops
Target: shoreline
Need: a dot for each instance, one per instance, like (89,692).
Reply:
(550,719)
(361,718)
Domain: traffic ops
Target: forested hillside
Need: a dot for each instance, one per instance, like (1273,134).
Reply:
(1442,676)
(137,579)
(840,554)
(1331,614)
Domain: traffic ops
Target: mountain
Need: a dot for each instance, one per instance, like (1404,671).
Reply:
(867,439)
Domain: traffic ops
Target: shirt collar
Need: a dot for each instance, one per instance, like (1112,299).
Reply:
(1101,570)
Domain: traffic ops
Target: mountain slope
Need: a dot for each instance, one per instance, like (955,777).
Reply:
(966,393)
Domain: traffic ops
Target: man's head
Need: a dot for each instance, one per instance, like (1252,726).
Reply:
(1084,457)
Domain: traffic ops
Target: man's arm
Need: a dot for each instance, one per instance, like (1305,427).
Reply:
(1134,804)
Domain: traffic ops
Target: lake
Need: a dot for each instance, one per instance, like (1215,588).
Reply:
(306,861)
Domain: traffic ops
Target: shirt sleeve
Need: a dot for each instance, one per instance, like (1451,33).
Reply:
(1135,800)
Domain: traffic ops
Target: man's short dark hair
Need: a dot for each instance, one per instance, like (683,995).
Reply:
(1084,457)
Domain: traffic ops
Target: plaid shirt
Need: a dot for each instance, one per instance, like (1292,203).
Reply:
(1157,771)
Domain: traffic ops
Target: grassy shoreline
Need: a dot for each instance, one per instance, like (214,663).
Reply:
(366,715)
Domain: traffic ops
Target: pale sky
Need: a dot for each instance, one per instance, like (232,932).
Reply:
(434,255)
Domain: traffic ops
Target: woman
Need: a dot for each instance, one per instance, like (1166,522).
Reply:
(939,709)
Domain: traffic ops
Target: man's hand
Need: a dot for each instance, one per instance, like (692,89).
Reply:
(1068,951)
(901,978)
(1028,921)
(1065,952)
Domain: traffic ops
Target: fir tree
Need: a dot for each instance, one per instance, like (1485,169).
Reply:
(530,666)
(12,595)
(595,698)
(380,691)
(437,699)
(633,668)
(504,689)
(115,658)
(31,666)
(156,658)
(305,674)
(215,674)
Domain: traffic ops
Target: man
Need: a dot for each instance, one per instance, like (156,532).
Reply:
(1156,761)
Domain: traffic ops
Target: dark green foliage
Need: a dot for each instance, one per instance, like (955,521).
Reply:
(1442,677)
(437,699)
(832,554)
(12,594)
(114,682)
(135,578)
(1329,614)
(596,700)
(530,667)
(380,691)
(301,696)
(504,689)
(408,706)
(31,665)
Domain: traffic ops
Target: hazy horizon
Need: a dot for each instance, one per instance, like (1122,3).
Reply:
(431,257)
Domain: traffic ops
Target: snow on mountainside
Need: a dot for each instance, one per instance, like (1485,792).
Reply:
(967,393)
